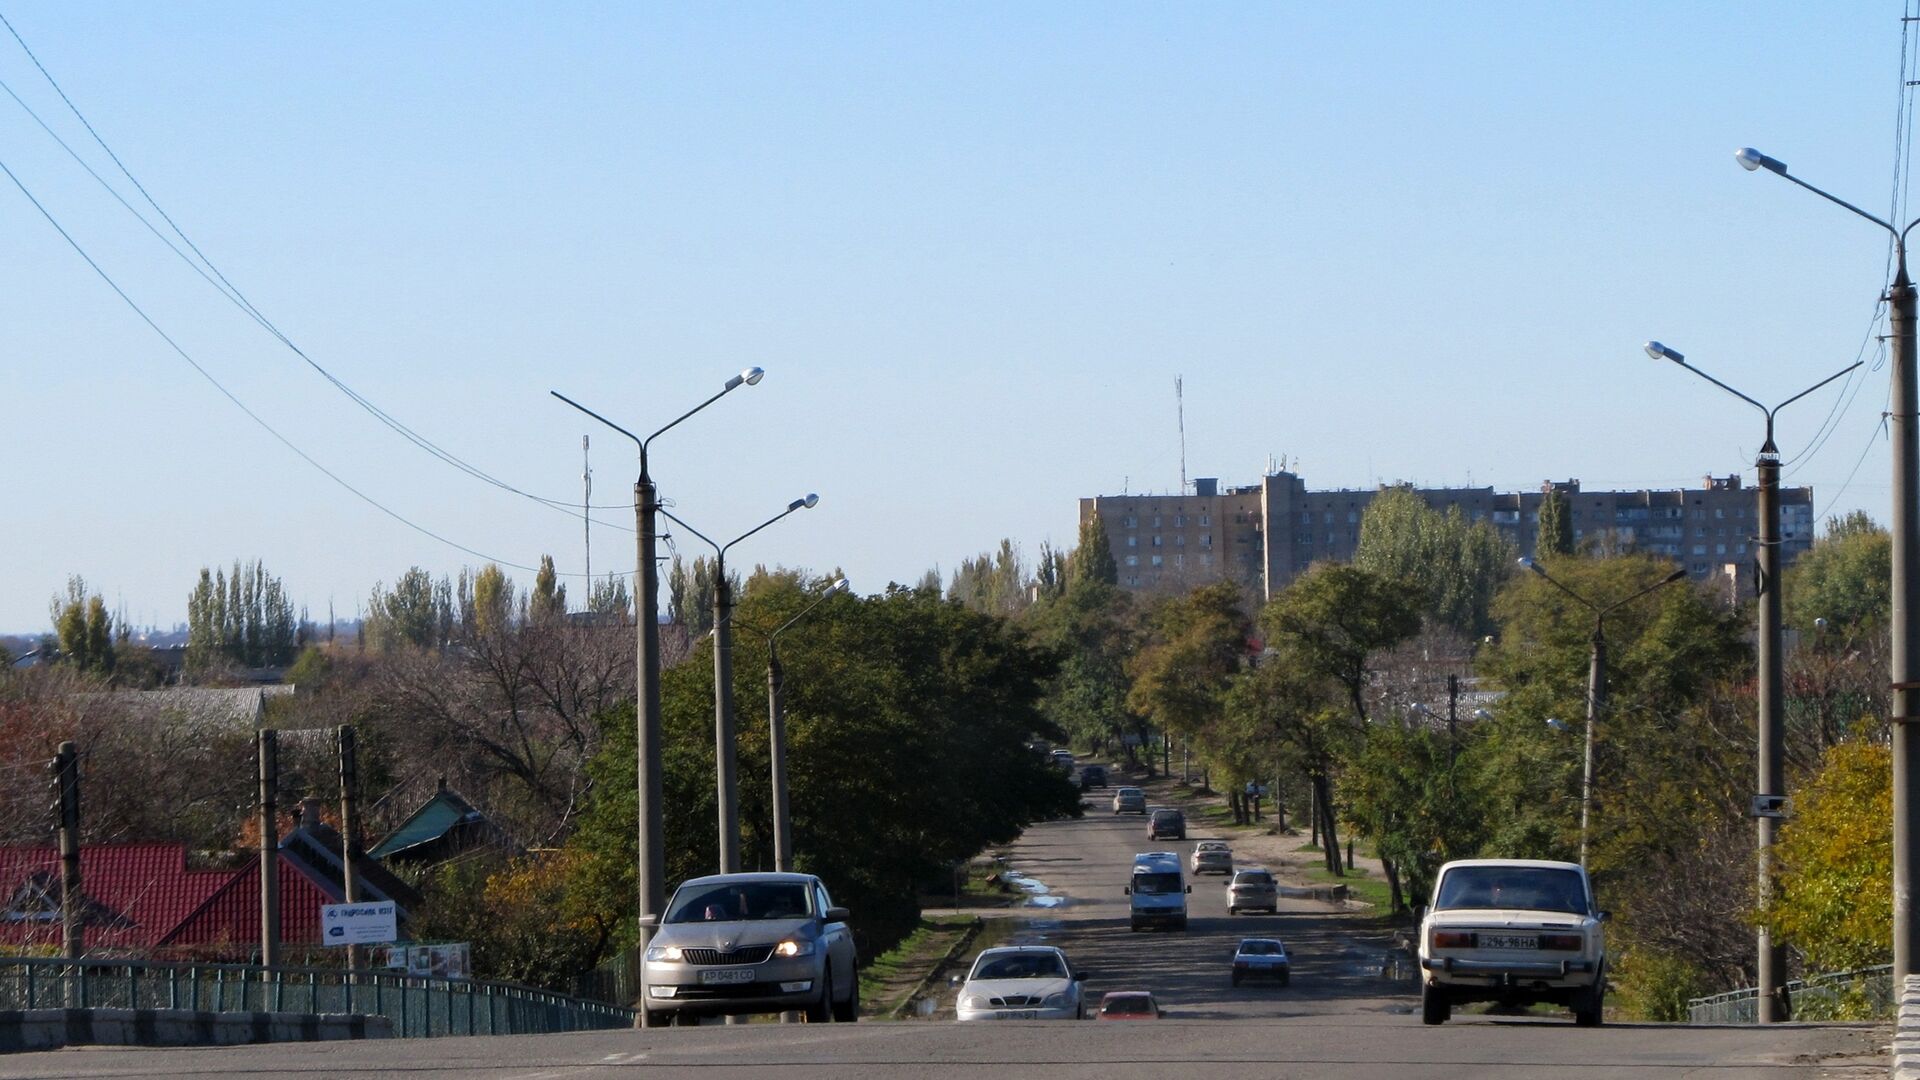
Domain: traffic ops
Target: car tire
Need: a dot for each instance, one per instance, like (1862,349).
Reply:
(1587,1007)
(1435,1006)
(821,1011)
(1232,911)
(849,1011)
(1236,978)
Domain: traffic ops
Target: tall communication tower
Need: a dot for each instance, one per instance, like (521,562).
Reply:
(1180,407)
(586,509)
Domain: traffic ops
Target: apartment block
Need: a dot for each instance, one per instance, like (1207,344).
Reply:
(1264,535)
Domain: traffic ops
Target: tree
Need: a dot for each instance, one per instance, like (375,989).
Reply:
(610,597)
(1554,536)
(690,594)
(1456,565)
(240,620)
(1092,558)
(84,627)
(992,582)
(1197,642)
(404,616)
(1834,897)
(1845,579)
(549,599)
(490,602)
(1334,618)
(1050,575)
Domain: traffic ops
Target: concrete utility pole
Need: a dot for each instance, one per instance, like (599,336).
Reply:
(651,871)
(349,829)
(269,776)
(1771,967)
(1905,660)
(66,790)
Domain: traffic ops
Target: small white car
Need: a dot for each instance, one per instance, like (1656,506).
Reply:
(1021,982)
(1211,857)
(1129,800)
(1262,958)
(1252,889)
(1516,931)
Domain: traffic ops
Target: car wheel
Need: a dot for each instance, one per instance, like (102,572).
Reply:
(1587,1006)
(849,1012)
(821,1010)
(1236,978)
(1435,1007)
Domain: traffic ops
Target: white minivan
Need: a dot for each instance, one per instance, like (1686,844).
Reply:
(1157,892)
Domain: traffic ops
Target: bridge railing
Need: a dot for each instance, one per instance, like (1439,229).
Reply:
(1862,994)
(616,981)
(419,1005)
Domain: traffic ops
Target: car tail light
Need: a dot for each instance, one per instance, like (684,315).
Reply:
(1452,939)
(1561,941)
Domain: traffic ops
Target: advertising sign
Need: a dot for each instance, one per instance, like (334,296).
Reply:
(358,924)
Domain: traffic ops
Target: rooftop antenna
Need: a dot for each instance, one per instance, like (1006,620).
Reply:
(586,511)
(1180,407)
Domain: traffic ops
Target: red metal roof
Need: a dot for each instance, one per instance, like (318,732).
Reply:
(140,892)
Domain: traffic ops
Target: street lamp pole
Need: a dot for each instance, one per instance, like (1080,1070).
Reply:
(1596,679)
(777,732)
(1771,781)
(725,758)
(651,862)
(1905,661)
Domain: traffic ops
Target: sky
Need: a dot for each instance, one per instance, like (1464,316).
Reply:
(972,245)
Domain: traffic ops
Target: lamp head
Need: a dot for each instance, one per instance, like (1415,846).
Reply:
(1820,625)
(1675,576)
(1751,159)
(807,502)
(1661,352)
(839,586)
(1482,714)
(750,376)
(1556,724)
(1527,562)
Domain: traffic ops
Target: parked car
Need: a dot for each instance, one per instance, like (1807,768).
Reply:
(1167,824)
(1021,982)
(1252,890)
(1062,760)
(1129,1005)
(751,943)
(1262,958)
(1212,857)
(1129,800)
(1516,931)
(1093,776)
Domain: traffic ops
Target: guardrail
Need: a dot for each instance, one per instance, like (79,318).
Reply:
(1862,994)
(419,1005)
(616,981)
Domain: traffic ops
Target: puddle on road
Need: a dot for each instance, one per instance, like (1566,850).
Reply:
(1038,894)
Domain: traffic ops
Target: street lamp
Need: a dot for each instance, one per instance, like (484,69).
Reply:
(777,732)
(651,868)
(724,767)
(1772,956)
(1905,661)
(1596,679)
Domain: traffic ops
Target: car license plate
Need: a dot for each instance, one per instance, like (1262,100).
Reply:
(723,976)
(1021,1014)
(1509,941)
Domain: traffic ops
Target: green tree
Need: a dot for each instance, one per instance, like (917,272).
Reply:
(1407,793)
(84,627)
(610,597)
(1845,578)
(1456,565)
(549,599)
(690,594)
(1092,558)
(1333,619)
(490,606)
(405,616)
(1555,533)
(242,619)
(1834,897)
(1196,643)
(992,582)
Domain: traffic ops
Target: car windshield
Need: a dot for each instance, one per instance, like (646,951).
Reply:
(1128,792)
(1035,965)
(1260,948)
(1258,877)
(1156,884)
(1532,888)
(1131,1005)
(739,900)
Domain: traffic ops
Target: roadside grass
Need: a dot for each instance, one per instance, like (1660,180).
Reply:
(1361,885)
(887,979)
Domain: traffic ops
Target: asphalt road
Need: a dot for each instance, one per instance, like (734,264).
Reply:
(1339,1018)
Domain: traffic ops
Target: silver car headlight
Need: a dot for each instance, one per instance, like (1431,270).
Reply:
(1055,1001)
(973,1001)
(667,953)
(793,947)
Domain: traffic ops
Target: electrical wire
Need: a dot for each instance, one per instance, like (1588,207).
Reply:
(233,295)
(230,396)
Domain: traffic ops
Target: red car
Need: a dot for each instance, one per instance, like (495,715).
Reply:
(1129,1005)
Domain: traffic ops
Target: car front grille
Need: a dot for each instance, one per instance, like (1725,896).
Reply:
(1016,1001)
(751,954)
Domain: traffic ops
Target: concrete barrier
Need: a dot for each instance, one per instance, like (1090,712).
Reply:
(50,1029)
(1906,1032)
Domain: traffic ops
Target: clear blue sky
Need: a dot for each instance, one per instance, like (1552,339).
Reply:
(971,244)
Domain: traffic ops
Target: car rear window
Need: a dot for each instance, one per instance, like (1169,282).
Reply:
(1131,1005)
(1253,877)
(1532,888)
(1260,948)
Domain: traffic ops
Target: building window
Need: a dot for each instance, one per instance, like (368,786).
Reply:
(1180,540)
(1740,550)
(1133,541)
(1718,512)
(1329,539)
(1157,560)
(1205,520)
(1353,516)
(1179,521)
(1306,517)
(1133,560)
(1156,540)
(1133,581)
(1179,559)
(1699,567)
(1699,549)
(1328,518)
(1719,549)
(1127,522)
(1206,539)
(1156,521)
(1206,559)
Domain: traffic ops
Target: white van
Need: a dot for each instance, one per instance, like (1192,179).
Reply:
(1158,891)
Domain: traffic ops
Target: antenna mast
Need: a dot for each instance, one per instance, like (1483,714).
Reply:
(586,512)
(1180,406)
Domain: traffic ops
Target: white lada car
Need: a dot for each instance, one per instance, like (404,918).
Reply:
(1516,931)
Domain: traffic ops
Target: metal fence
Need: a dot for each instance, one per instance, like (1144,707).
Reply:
(419,1005)
(1865,994)
(616,981)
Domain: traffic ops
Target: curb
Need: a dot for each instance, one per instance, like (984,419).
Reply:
(939,968)
(1906,1032)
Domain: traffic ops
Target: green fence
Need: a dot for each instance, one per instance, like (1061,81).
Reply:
(419,1005)
(1866,994)
(616,981)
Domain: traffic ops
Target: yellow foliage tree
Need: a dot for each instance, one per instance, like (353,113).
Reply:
(1833,895)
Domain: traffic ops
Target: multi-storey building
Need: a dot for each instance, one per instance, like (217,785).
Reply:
(1264,535)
